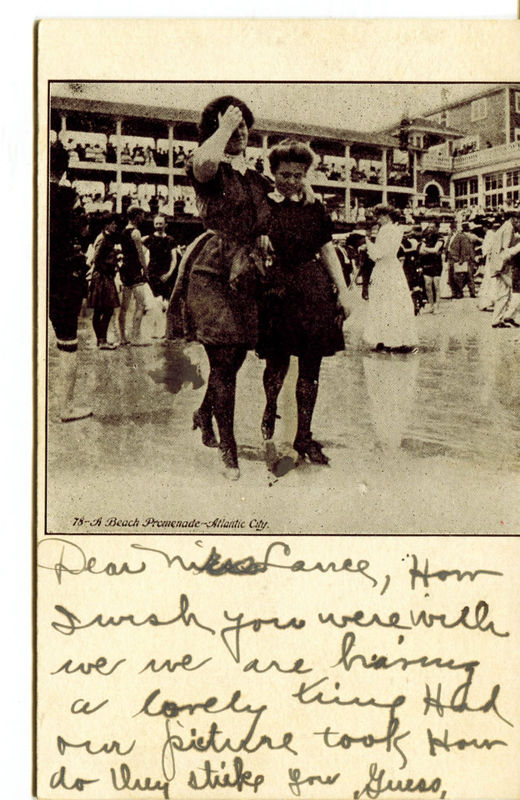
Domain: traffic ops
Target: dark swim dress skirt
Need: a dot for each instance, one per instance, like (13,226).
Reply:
(218,281)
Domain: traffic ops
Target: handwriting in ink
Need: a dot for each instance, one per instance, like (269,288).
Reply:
(170,708)
(296,780)
(74,623)
(86,669)
(377,785)
(460,744)
(114,747)
(125,781)
(215,565)
(459,700)
(216,741)
(239,779)
(390,739)
(184,663)
(81,706)
(481,611)
(72,560)
(297,667)
(59,779)
(233,644)
(358,619)
(64,557)
(378,662)
(443,574)
(303,695)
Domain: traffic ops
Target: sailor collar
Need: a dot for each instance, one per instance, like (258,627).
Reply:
(278,197)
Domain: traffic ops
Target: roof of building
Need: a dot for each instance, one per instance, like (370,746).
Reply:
(163,114)
(424,124)
(491,89)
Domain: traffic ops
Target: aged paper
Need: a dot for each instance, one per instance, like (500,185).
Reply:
(342,654)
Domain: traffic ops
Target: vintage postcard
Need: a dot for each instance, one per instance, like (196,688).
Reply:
(278,331)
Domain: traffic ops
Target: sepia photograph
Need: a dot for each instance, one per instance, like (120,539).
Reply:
(283,306)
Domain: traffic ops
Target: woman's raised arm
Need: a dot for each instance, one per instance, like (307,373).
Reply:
(208,155)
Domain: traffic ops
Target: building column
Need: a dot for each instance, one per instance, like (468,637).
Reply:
(384,176)
(347,183)
(452,193)
(415,198)
(481,192)
(119,172)
(171,200)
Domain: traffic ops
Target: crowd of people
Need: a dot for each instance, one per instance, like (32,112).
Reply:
(136,154)
(267,274)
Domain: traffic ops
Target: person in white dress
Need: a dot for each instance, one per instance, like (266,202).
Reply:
(486,297)
(390,320)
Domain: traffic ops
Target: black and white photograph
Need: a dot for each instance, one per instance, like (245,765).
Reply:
(283,307)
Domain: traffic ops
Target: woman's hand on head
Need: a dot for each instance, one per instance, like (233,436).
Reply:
(230,119)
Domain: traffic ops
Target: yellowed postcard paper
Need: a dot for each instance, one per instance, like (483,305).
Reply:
(278,451)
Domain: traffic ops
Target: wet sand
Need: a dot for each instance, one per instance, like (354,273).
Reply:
(417,443)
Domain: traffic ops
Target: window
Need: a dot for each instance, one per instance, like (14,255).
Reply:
(493,185)
(461,188)
(479,109)
(513,186)
(517,131)
(493,182)
(466,193)
(517,102)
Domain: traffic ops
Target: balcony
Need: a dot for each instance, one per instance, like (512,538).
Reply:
(437,163)
(488,156)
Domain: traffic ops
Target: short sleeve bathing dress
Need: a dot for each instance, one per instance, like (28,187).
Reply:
(222,294)
(299,314)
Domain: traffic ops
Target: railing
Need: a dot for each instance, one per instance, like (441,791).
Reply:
(489,155)
(437,162)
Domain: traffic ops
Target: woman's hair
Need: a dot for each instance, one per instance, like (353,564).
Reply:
(109,218)
(209,120)
(134,212)
(389,211)
(290,151)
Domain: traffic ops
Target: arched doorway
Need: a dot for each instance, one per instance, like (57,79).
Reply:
(432,195)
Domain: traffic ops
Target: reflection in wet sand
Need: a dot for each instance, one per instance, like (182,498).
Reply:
(444,422)
(392,386)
